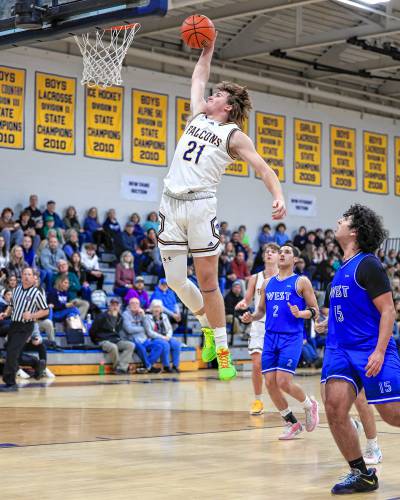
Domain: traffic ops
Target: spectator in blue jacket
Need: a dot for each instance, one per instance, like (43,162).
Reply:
(71,243)
(168,298)
(152,222)
(280,236)
(57,298)
(94,232)
(265,235)
(138,231)
(128,238)
(29,252)
(51,212)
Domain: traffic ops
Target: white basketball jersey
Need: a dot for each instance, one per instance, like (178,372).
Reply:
(258,291)
(201,156)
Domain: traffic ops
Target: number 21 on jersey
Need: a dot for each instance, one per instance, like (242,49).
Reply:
(193,152)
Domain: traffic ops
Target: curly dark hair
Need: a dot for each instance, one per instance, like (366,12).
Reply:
(369,227)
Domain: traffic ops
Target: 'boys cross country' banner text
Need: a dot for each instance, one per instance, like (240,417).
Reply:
(149,130)
(239,168)
(104,118)
(343,158)
(307,152)
(270,141)
(182,116)
(55,113)
(397,166)
(375,163)
(12,104)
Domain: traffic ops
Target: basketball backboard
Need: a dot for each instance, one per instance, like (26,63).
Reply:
(26,22)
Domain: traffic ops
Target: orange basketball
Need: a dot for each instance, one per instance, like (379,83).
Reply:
(197,31)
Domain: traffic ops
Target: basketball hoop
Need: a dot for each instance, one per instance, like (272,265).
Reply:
(102,58)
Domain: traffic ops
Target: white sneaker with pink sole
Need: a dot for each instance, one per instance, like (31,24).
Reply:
(312,416)
(291,431)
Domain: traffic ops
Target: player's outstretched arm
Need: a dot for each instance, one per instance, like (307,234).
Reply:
(200,76)
(242,146)
(260,312)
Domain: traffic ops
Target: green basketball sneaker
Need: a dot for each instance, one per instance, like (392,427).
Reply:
(226,370)
(208,352)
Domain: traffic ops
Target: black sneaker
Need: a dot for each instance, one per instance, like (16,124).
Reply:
(40,370)
(9,388)
(153,369)
(167,369)
(357,482)
(175,369)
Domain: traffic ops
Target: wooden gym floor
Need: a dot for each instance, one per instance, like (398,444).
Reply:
(162,437)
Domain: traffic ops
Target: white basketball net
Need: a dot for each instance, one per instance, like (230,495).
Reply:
(102,58)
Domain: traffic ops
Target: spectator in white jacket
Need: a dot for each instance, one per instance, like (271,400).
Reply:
(90,263)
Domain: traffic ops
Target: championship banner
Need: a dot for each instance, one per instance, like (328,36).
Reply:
(270,141)
(12,105)
(55,98)
(104,122)
(343,158)
(182,116)
(149,130)
(307,152)
(397,166)
(375,163)
(239,168)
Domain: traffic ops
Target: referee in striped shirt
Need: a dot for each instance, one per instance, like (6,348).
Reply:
(28,304)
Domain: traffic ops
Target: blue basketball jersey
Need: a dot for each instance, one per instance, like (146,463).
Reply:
(353,318)
(278,293)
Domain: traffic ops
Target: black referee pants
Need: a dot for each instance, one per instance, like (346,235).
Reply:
(18,334)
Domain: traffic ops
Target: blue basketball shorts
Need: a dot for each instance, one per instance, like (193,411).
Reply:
(327,357)
(281,352)
(349,365)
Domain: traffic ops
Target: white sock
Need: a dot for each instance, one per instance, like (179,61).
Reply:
(307,403)
(258,396)
(372,444)
(202,319)
(221,339)
(285,413)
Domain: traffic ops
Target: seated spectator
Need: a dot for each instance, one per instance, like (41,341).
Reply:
(152,222)
(5,301)
(168,299)
(71,242)
(128,240)
(94,232)
(49,257)
(224,230)
(75,267)
(149,347)
(10,229)
(28,251)
(36,214)
(138,231)
(17,263)
(223,269)
(51,212)
(28,227)
(159,324)
(57,298)
(396,287)
(325,271)
(381,255)
(74,288)
(232,298)
(244,238)
(112,228)
(124,274)
(230,251)
(139,293)
(390,258)
(90,263)
(49,227)
(148,255)
(238,244)
(320,237)
(300,267)
(300,239)
(280,236)
(36,345)
(239,269)
(4,254)
(11,283)
(265,235)
(71,220)
(106,331)
(45,325)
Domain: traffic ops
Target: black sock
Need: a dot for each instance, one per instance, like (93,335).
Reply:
(290,418)
(359,464)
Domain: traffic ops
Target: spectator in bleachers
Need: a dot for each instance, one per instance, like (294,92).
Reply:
(300,267)
(94,231)
(300,239)
(265,235)
(231,299)
(112,229)
(38,364)
(381,256)
(280,236)
(152,222)
(90,263)
(223,269)
(51,212)
(36,214)
(71,220)
(5,301)
(45,325)
(4,254)
(71,242)
(396,287)
(159,324)
(17,263)
(11,282)
(124,274)
(149,347)
(107,332)
(139,293)
(28,227)
(237,244)
(224,230)
(50,229)
(128,240)
(230,251)
(391,272)
(168,298)
(244,237)
(390,258)
(76,268)
(57,299)
(29,251)
(10,229)
(320,237)
(239,269)
(138,231)
(49,257)
(150,260)
(74,288)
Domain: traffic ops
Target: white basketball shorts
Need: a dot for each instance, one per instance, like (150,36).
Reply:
(189,225)
(257,334)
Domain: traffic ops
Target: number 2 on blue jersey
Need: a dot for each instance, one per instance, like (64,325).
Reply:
(275,313)
(187,155)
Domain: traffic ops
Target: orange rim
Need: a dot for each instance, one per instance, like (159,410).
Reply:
(123,27)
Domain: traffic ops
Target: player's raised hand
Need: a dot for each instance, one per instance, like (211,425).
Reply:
(278,209)
(294,310)
(375,362)
(246,317)
(241,305)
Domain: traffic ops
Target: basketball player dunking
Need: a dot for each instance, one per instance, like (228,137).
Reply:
(210,142)
(257,332)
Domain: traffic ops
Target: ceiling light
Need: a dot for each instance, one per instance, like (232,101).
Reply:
(364,4)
